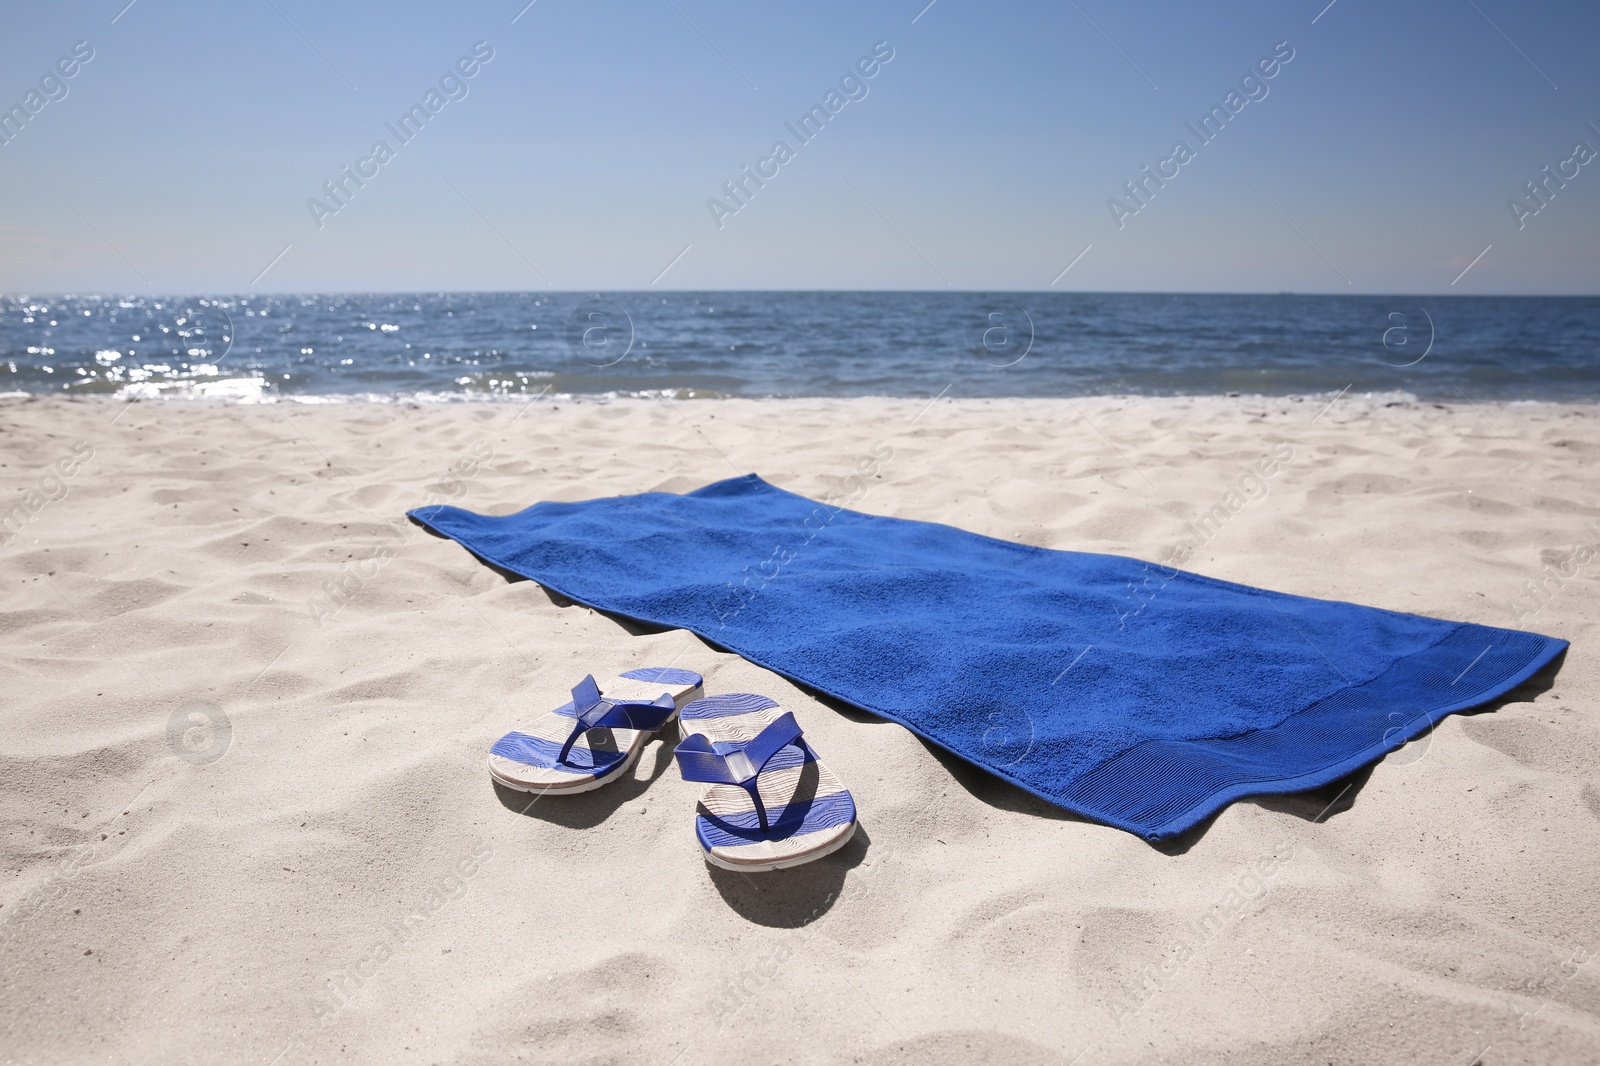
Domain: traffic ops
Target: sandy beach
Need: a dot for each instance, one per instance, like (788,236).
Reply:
(247,817)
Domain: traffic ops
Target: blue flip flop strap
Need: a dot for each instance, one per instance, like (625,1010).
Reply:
(700,760)
(596,713)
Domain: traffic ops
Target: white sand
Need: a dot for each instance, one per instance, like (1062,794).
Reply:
(162,909)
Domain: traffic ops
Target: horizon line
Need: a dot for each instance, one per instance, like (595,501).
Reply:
(1044,291)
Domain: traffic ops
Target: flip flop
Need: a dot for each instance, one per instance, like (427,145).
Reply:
(590,741)
(771,803)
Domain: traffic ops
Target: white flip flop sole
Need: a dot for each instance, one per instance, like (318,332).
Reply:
(811,813)
(525,760)
(782,864)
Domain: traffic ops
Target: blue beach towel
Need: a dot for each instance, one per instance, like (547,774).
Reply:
(1143,697)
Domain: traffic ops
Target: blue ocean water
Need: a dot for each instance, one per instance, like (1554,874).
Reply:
(449,346)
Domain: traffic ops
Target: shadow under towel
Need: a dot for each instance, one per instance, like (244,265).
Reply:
(1140,696)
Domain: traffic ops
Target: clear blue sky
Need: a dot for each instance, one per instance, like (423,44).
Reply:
(1382,158)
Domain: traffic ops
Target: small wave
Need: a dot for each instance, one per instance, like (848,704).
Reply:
(229,390)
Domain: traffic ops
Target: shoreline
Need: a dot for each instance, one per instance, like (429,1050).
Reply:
(172,395)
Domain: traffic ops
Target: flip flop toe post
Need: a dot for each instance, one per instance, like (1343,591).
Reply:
(589,741)
(770,803)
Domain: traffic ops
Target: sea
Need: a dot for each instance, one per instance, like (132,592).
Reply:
(488,346)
